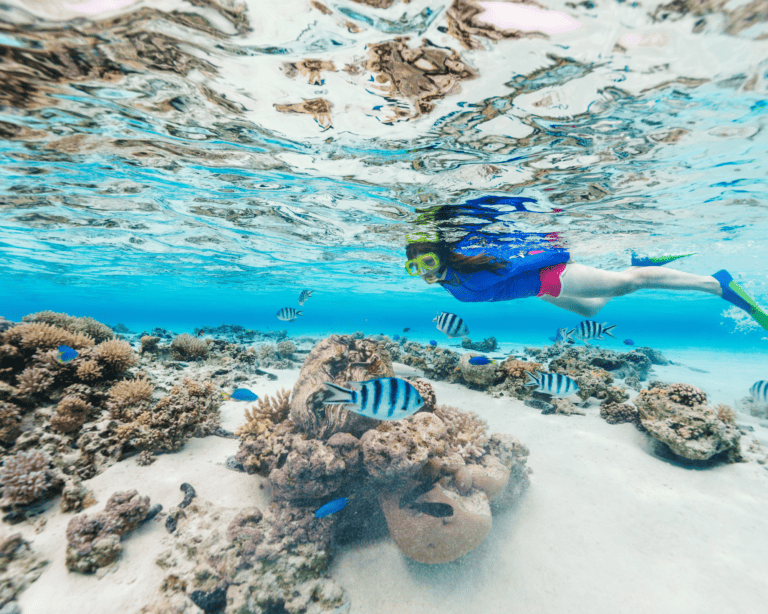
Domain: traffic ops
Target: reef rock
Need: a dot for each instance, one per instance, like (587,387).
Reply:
(399,450)
(19,567)
(678,416)
(427,539)
(482,375)
(339,359)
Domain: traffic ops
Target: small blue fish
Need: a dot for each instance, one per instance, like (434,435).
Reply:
(395,337)
(480,360)
(433,343)
(65,354)
(629,342)
(241,394)
(332,507)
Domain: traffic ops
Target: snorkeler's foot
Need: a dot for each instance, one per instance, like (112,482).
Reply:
(733,293)
(655,260)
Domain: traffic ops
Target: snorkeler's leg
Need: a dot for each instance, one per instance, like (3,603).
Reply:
(586,307)
(580,281)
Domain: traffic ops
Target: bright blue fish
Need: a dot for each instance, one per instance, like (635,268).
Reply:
(480,360)
(332,507)
(433,343)
(395,337)
(242,394)
(629,342)
(66,354)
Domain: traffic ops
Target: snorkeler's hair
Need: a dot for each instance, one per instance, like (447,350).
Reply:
(455,260)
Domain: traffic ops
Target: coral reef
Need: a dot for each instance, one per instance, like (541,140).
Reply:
(619,413)
(149,344)
(27,477)
(285,349)
(85,325)
(114,356)
(269,562)
(94,542)
(74,496)
(10,424)
(19,567)
(486,345)
(128,398)
(515,380)
(5,324)
(71,414)
(311,459)
(187,347)
(678,416)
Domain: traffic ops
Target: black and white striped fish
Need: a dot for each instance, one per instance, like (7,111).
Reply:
(305,294)
(589,329)
(556,384)
(450,324)
(385,398)
(289,314)
(759,391)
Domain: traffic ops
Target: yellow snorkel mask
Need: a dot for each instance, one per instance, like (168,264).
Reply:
(422,264)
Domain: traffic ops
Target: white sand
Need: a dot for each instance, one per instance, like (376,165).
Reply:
(606,526)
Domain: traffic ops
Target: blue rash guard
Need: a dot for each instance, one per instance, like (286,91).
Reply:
(520,276)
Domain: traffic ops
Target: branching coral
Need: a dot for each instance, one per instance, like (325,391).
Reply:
(88,370)
(115,356)
(268,411)
(128,393)
(686,394)
(85,325)
(24,477)
(71,414)
(285,348)
(265,438)
(42,336)
(10,423)
(187,347)
(467,432)
(725,413)
(34,381)
(149,344)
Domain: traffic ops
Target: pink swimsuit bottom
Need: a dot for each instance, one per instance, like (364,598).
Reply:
(550,280)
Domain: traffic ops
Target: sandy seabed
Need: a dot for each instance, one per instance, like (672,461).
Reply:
(609,525)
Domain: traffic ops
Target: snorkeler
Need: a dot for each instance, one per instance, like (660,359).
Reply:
(484,266)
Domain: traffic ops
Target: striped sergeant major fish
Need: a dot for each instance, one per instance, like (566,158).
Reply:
(589,329)
(450,324)
(384,398)
(759,392)
(555,384)
(289,314)
(305,294)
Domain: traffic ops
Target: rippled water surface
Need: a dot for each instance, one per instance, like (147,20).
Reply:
(255,146)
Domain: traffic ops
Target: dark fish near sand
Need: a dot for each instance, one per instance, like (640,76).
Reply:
(589,329)
(450,324)
(332,507)
(629,342)
(288,314)
(241,394)
(438,510)
(384,398)
(480,360)
(305,294)
(65,354)
(759,391)
(415,493)
(555,384)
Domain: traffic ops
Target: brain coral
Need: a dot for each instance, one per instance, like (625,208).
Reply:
(24,477)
